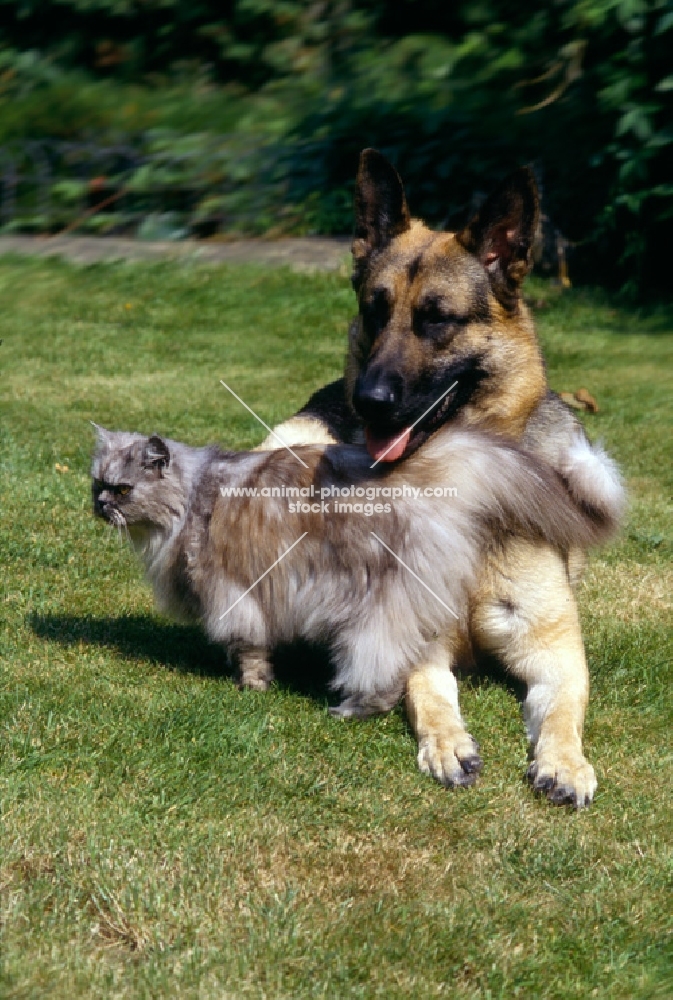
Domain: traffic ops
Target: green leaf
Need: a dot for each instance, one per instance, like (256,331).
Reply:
(664,23)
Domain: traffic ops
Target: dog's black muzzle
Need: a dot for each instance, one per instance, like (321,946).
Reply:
(377,397)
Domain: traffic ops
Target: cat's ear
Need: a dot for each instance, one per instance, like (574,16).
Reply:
(156,454)
(102,434)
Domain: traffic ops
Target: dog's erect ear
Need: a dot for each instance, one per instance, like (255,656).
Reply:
(502,232)
(156,454)
(381,211)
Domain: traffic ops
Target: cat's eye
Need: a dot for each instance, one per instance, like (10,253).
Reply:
(100,486)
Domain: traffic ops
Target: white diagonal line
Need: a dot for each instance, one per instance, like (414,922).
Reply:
(266,426)
(263,575)
(391,446)
(415,576)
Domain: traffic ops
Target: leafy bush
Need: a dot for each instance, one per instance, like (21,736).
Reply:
(274,101)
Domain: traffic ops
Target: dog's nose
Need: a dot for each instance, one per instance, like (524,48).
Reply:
(377,396)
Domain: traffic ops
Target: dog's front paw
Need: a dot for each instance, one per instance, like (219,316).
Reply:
(453,760)
(567,779)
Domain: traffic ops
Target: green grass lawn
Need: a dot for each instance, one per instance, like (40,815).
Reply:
(164,834)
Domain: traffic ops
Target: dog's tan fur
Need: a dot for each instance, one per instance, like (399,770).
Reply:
(438,306)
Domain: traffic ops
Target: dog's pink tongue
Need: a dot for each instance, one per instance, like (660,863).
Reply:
(387,449)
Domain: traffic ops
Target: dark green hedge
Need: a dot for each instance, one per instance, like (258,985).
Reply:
(456,93)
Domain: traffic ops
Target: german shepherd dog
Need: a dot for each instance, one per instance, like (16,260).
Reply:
(442,334)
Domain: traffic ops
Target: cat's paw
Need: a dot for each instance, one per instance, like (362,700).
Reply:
(256,673)
(352,708)
(360,706)
(254,684)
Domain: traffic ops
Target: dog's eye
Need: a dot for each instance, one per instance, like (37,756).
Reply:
(433,320)
(123,490)
(376,311)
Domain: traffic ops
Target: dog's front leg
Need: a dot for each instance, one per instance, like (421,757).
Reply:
(527,617)
(255,670)
(445,748)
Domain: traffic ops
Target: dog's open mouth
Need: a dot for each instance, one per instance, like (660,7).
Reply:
(390,446)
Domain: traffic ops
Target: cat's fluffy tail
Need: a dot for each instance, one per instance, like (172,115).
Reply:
(516,491)
(594,481)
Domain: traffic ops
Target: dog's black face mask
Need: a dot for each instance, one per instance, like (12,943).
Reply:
(400,415)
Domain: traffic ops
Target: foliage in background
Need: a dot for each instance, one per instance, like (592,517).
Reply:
(455,93)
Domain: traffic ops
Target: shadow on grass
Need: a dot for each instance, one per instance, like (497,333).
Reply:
(489,670)
(300,667)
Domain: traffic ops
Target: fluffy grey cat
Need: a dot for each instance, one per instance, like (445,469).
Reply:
(384,585)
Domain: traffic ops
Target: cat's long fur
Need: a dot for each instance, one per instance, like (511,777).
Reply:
(339,585)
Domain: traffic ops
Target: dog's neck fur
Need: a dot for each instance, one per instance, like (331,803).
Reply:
(509,410)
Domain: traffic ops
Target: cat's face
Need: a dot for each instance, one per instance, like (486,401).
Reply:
(128,475)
